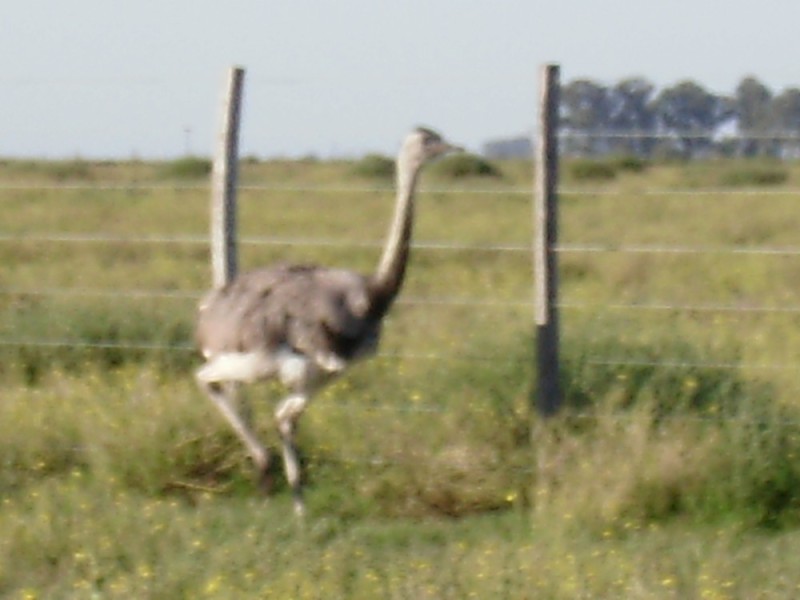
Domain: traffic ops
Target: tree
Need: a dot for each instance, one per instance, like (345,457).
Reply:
(584,111)
(753,111)
(625,118)
(631,112)
(785,111)
(692,114)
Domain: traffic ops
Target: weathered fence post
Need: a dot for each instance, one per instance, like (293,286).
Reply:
(223,183)
(547,398)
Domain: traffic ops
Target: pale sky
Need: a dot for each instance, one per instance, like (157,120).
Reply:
(116,79)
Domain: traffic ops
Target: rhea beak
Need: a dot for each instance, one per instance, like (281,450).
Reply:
(446,148)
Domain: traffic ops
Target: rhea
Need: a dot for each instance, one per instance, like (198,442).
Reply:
(304,324)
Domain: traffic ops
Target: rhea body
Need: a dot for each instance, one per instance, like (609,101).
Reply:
(304,324)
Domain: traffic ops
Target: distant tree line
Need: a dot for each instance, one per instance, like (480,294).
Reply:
(685,120)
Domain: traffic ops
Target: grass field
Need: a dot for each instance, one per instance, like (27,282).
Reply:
(673,472)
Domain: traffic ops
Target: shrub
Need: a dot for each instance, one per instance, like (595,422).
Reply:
(592,170)
(374,166)
(70,169)
(631,164)
(754,176)
(60,170)
(188,167)
(460,166)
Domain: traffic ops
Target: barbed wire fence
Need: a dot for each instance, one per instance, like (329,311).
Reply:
(523,305)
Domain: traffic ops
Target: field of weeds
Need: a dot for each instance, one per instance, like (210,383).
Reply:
(672,472)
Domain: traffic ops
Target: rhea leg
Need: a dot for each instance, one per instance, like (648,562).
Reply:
(222,394)
(287,415)
(219,378)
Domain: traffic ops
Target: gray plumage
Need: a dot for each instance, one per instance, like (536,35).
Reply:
(304,324)
(313,311)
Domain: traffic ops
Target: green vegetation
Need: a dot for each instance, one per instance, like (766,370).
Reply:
(374,166)
(188,167)
(592,170)
(674,471)
(76,169)
(449,168)
(585,169)
(460,166)
(632,164)
(684,120)
(747,175)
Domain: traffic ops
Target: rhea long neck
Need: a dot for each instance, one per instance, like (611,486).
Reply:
(388,279)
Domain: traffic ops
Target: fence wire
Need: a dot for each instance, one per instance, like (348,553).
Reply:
(310,192)
(268,188)
(193,239)
(148,346)
(197,294)
(711,135)
(574,248)
(521,304)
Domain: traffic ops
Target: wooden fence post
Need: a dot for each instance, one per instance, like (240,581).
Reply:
(224,182)
(547,399)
